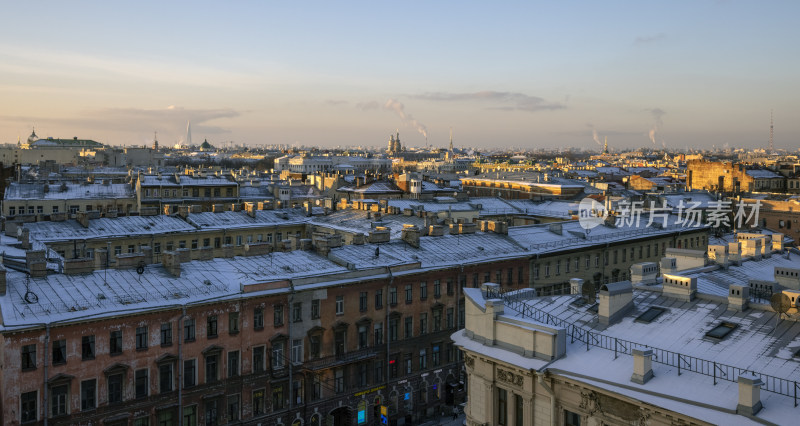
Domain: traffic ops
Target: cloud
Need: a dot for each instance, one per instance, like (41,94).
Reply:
(649,39)
(366,106)
(508,101)
(170,121)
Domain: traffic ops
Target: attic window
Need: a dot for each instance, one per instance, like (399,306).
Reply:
(721,330)
(593,308)
(650,314)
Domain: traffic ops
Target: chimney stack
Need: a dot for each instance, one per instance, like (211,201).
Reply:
(642,366)
(410,234)
(749,394)
(616,299)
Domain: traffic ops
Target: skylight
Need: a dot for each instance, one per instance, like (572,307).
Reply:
(650,314)
(721,330)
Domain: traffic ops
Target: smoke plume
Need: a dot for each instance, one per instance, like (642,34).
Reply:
(408,120)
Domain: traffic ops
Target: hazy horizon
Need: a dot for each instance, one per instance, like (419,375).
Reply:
(532,75)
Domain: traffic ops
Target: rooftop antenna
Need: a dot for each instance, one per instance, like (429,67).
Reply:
(771,145)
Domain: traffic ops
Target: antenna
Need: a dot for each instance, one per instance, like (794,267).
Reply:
(771,145)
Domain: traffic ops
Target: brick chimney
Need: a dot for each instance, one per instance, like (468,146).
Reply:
(749,394)
(172,263)
(410,234)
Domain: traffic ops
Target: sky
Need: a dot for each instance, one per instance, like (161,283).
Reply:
(531,74)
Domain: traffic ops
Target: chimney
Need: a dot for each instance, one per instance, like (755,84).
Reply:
(498,227)
(777,242)
(410,234)
(738,297)
(82,218)
(642,366)
(752,248)
(218,208)
(616,299)
(250,208)
(576,286)
(2,280)
(172,263)
(436,230)
(669,265)
(718,254)
(379,235)
(645,273)
(749,394)
(735,253)
(787,277)
(100,258)
(678,287)
(183,211)
(555,228)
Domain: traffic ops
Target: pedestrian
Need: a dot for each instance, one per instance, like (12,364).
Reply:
(455,413)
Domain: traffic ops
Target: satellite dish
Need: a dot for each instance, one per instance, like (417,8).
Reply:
(588,292)
(780,303)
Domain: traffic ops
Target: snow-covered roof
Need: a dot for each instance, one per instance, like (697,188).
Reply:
(67,191)
(763,174)
(240,219)
(758,344)
(106,227)
(185,180)
(112,291)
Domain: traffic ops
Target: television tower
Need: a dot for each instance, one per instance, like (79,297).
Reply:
(771,144)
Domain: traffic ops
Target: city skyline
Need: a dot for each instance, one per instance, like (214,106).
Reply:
(687,74)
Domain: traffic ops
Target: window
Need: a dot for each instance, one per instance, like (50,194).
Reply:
(13,210)
(363,339)
(233,363)
(437,320)
(536,271)
(258,402)
(338,380)
(211,326)
(423,359)
(449,287)
(571,419)
(437,289)
(297,351)
(28,357)
(141,385)
(166,334)
(518,410)
(377,333)
(233,408)
(547,269)
(393,329)
(315,346)
(211,412)
(408,364)
(258,318)
(190,415)
(435,355)
(40,209)
(87,347)
(258,359)
(212,368)
(362,301)
(188,330)
(297,312)
(409,293)
(423,323)
(277,397)
(722,330)
(392,296)
(339,305)
(499,277)
(58,399)
(423,290)
(277,355)
(141,338)
(378,371)
(88,394)
(502,407)
(166,417)
(315,309)
(28,409)
(165,379)
(115,388)
(157,248)
(450,318)
(379,299)
(233,322)
(650,314)
(115,342)
(189,373)
(408,329)
(194,244)
(278,315)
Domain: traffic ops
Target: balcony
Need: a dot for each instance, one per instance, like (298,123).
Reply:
(337,360)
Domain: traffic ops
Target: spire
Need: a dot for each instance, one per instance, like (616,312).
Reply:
(605,146)
(451,139)
(155,141)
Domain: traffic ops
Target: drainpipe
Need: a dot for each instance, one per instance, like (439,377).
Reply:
(289,343)
(44,391)
(552,394)
(180,364)
(388,334)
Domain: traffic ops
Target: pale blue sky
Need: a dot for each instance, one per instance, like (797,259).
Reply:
(524,74)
